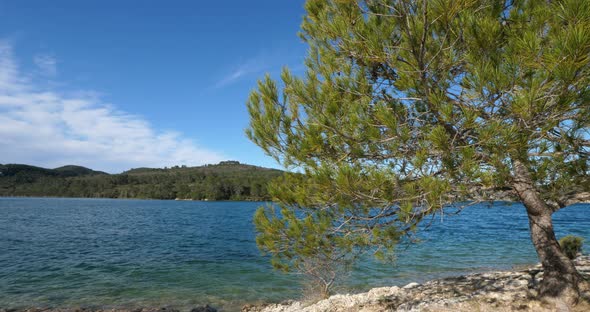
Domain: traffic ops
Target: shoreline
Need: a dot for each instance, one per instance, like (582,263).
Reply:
(129,198)
(510,290)
(513,290)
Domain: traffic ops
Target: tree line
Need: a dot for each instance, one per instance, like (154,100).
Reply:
(224,181)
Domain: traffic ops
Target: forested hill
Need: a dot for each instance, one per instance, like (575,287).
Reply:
(228,180)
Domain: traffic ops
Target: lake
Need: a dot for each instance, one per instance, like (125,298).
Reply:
(130,253)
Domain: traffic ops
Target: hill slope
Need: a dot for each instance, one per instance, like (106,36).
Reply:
(227,180)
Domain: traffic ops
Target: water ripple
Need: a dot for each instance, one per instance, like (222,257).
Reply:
(108,253)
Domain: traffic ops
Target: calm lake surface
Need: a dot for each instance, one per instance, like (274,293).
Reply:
(106,253)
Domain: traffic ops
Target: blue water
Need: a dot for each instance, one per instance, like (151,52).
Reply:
(130,253)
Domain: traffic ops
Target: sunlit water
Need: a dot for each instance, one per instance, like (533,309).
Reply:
(130,253)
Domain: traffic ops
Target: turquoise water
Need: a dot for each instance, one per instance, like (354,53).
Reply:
(107,253)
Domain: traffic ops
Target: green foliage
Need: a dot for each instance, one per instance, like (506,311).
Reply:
(406,106)
(225,181)
(571,245)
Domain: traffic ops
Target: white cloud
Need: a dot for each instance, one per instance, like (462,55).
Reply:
(47,64)
(255,65)
(271,61)
(8,72)
(48,128)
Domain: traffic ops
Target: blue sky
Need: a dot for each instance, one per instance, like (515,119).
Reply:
(114,85)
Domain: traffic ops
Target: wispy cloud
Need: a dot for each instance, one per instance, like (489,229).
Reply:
(46,63)
(49,128)
(271,61)
(9,78)
(249,67)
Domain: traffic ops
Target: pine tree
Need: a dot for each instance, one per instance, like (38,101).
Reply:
(409,105)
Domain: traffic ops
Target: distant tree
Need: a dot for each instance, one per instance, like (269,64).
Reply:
(216,182)
(409,105)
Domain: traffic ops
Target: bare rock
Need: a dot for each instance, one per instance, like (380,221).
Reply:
(411,285)
(504,291)
(205,308)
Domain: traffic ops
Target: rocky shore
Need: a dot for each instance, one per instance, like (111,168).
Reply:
(494,291)
(205,308)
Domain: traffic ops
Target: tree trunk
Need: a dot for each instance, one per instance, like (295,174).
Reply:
(560,277)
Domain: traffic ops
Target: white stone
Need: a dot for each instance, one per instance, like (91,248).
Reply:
(376,293)
(411,285)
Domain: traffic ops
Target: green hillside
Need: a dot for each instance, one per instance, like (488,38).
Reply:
(227,180)
(74,171)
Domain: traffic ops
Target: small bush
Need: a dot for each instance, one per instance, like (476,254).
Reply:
(571,245)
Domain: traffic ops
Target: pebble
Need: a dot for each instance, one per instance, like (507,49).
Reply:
(510,290)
